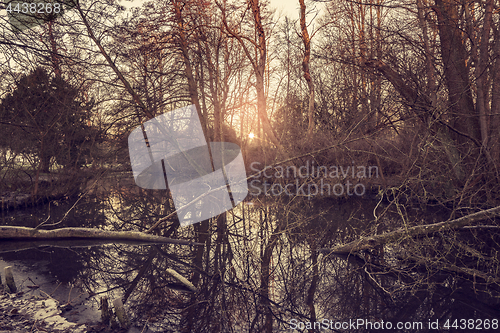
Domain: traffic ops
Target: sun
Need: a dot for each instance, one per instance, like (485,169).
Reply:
(251,135)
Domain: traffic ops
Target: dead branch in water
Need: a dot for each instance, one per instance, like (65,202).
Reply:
(367,243)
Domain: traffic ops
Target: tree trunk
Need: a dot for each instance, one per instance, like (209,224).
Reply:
(495,98)
(188,70)
(44,162)
(463,115)
(429,67)
(259,73)
(305,67)
(54,54)
(482,75)
(314,282)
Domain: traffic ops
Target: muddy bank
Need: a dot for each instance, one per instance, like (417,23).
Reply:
(43,304)
(13,200)
(18,194)
(22,313)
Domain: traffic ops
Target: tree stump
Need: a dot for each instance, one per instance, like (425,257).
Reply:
(9,280)
(105,311)
(120,313)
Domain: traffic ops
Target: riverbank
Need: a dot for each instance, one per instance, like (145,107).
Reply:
(43,304)
(21,312)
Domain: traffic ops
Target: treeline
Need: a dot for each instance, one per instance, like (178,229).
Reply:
(412,85)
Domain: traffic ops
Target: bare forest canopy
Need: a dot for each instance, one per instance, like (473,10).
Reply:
(417,81)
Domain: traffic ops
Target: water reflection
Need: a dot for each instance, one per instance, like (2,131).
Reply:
(260,269)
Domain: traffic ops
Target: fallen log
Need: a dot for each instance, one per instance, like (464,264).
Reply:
(13,245)
(367,243)
(10,233)
(451,267)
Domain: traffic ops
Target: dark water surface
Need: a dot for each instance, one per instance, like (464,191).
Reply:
(261,269)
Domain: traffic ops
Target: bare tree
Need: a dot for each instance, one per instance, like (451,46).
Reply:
(305,67)
(257,44)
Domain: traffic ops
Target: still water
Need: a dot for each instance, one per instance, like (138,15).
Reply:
(261,269)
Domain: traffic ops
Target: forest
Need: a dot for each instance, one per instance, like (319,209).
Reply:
(369,131)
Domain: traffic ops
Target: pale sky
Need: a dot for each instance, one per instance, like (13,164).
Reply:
(289,7)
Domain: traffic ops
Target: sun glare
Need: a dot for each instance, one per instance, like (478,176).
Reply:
(251,135)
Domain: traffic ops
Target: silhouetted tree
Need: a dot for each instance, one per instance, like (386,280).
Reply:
(44,117)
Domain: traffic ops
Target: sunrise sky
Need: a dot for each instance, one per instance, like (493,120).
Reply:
(288,7)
